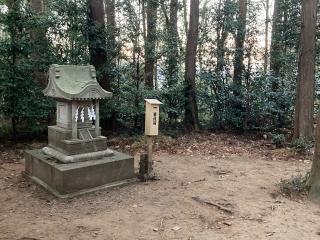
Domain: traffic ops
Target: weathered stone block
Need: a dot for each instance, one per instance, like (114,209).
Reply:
(61,140)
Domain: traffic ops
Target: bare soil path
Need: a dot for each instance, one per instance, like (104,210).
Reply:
(211,187)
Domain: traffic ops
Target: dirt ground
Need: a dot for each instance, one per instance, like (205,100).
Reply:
(211,187)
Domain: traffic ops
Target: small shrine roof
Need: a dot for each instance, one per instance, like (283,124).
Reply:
(74,82)
(153,101)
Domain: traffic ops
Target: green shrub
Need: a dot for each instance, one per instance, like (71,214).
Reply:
(301,145)
(296,186)
(278,140)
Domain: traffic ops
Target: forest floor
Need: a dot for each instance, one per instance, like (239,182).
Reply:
(212,186)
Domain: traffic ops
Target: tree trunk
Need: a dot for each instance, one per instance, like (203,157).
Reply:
(144,29)
(285,38)
(13,7)
(38,7)
(111,52)
(38,38)
(303,125)
(185,17)
(240,38)
(222,35)
(314,179)
(191,108)
(111,41)
(97,40)
(150,43)
(266,40)
(275,52)
(173,39)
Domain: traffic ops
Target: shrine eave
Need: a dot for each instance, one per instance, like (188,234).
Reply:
(71,82)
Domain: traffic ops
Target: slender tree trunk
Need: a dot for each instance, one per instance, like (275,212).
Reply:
(303,124)
(266,40)
(172,57)
(191,108)
(14,7)
(284,38)
(97,40)
(247,86)
(136,77)
(14,118)
(275,52)
(185,17)
(173,39)
(38,7)
(240,38)
(150,43)
(220,41)
(221,52)
(144,29)
(38,38)
(111,41)
(111,52)
(155,70)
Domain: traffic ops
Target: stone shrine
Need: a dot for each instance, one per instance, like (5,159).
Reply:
(77,159)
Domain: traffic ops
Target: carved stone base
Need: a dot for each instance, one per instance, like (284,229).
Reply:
(68,180)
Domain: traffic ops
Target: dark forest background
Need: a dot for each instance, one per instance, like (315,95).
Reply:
(223,65)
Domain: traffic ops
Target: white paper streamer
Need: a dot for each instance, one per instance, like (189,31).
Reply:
(89,114)
(82,115)
(93,113)
(76,115)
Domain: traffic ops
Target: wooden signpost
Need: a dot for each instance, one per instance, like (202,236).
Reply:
(151,130)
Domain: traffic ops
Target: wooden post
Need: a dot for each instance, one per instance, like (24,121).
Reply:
(146,165)
(150,153)
(73,121)
(97,121)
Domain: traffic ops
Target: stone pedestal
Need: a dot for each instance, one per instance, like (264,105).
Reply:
(68,180)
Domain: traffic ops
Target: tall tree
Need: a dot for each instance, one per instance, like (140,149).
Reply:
(223,27)
(40,43)
(221,37)
(240,38)
(97,40)
(172,55)
(314,179)
(150,43)
(275,51)
(173,40)
(266,40)
(303,120)
(191,107)
(111,41)
(185,17)
(15,31)
(20,97)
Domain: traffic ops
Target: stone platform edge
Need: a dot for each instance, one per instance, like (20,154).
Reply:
(81,192)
